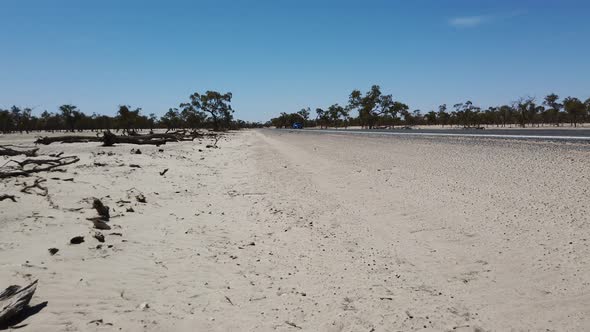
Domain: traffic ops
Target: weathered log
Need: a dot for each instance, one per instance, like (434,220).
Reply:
(110,139)
(6,151)
(13,300)
(67,139)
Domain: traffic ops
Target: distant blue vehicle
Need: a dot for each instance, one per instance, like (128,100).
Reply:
(297,125)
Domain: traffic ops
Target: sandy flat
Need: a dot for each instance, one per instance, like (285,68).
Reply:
(289,231)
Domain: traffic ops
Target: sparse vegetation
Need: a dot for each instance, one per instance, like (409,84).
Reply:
(209,110)
(376,110)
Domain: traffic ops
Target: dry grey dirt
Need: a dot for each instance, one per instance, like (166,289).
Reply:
(287,231)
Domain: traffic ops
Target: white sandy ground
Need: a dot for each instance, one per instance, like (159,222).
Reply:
(292,231)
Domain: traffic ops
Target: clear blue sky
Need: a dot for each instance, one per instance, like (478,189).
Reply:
(283,55)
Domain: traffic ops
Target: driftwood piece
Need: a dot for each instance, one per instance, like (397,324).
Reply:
(13,300)
(10,197)
(5,150)
(67,139)
(38,165)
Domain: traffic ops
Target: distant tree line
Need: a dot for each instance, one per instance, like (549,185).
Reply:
(209,110)
(376,110)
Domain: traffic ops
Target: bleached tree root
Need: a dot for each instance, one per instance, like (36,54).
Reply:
(31,166)
(5,150)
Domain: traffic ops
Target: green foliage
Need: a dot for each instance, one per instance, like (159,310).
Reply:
(211,109)
(70,114)
(575,108)
(218,106)
(374,106)
(128,118)
(374,109)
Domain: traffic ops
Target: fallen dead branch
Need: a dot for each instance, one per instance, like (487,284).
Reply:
(10,197)
(13,300)
(60,179)
(229,300)
(6,151)
(292,324)
(37,184)
(31,166)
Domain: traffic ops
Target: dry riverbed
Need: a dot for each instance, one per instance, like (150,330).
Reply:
(288,231)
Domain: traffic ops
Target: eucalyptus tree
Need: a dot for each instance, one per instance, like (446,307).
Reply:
(191,117)
(442,115)
(6,121)
(374,104)
(152,119)
(336,113)
(534,112)
(575,109)
(467,114)
(431,118)
(506,114)
(551,101)
(24,119)
(323,118)
(217,105)
(304,113)
(491,116)
(70,114)
(171,119)
(127,118)
(522,108)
